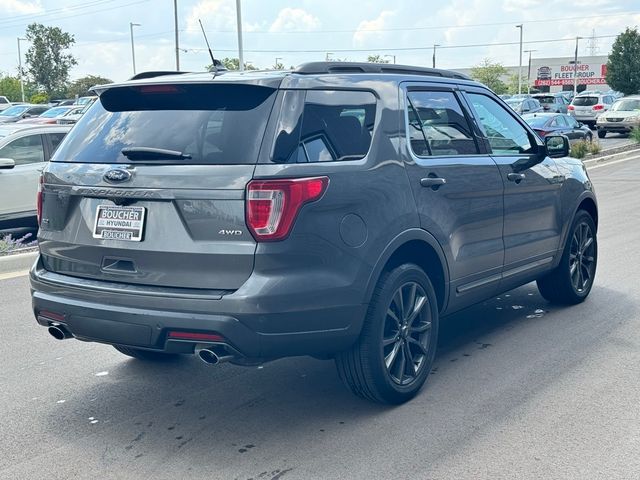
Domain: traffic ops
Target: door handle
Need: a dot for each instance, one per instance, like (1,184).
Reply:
(515,177)
(433,182)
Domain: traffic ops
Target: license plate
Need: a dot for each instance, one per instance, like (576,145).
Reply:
(119,223)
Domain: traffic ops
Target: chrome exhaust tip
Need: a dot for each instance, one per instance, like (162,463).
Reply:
(208,356)
(59,332)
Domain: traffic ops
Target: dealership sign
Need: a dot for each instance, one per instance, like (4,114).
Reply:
(586,73)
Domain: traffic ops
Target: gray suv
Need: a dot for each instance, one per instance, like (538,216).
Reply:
(340,210)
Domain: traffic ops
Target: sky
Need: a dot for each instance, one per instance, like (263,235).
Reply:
(294,32)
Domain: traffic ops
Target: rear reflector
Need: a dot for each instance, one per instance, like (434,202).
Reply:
(56,317)
(272,205)
(210,337)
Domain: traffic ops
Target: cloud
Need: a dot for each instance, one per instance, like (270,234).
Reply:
(369,29)
(20,6)
(294,20)
(215,15)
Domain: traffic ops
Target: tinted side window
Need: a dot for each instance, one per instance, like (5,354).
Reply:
(55,139)
(559,121)
(438,126)
(24,150)
(572,122)
(329,126)
(3,100)
(505,134)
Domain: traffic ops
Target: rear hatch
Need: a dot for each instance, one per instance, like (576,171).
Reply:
(547,102)
(148,188)
(583,105)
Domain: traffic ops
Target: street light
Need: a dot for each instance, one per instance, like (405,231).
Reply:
(240,49)
(520,62)
(435,45)
(575,69)
(529,70)
(175,30)
(392,56)
(133,50)
(20,67)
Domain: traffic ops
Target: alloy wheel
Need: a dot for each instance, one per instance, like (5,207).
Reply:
(582,257)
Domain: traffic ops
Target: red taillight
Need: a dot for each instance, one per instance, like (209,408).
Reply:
(157,89)
(39,199)
(571,107)
(272,205)
(209,337)
(598,107)
(542,133)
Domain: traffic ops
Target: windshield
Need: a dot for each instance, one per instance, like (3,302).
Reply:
(585,101)
(210,124)
(54,112)
(627,105)
(15,110)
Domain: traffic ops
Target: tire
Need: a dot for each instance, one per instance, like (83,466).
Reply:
(371,369)
(571,281)
(146,355)
(602,133)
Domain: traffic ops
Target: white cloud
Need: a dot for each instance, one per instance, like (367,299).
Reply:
(215,15)
(294,19)
(369,29)
(20,6)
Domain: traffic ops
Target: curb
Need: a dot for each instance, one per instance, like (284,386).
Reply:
(628,154)
(17,262)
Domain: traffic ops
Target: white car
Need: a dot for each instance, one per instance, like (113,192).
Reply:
(24,149)
(4,103)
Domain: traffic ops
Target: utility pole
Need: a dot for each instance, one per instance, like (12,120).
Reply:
(520,62)
(133,50)
(529,70)
(240,50)
(175,27)
(20,68)
(435,45)
(575,69)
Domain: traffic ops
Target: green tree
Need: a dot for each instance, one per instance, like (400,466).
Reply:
(10,88)
(232,64)
(82,85)
(377,59)
(491,75)
(47,62)
(278,66)
(623,67)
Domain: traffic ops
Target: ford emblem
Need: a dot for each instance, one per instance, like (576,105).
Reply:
(117,175)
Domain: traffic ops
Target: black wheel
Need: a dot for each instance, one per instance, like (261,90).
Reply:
(571,282)
(602,133)
(589,138)
(394,355)
(147,355)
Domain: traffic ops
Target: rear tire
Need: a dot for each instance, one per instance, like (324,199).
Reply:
(571,281)
(394,354)
(146,355)
(602,133)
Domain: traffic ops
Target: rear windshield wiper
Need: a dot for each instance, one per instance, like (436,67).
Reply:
(150,153)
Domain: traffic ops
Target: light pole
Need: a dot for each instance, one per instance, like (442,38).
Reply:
(520,62)
(392,56)
(327,56)
(20,67)
(435,45)
(277,62)
(529,70)
(575,69)
(133,50)
(175,27)
(240,49)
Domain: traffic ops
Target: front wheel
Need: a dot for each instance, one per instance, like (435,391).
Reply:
(571,281)
(394,354)
(602,133)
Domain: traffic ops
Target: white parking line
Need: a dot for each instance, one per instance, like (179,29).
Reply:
(606,164)
(7,276)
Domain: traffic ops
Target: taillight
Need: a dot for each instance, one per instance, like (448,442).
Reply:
(39,199)
(272,205)
(598,107)
(571,107)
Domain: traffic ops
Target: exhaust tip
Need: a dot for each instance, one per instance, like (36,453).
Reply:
(208,356)
(58,333)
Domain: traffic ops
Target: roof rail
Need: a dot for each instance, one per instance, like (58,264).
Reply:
(142,75)
(312,68)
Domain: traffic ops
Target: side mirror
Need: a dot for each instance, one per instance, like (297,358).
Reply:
(557,146)
(7,163)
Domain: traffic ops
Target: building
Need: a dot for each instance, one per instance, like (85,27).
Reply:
(556,74)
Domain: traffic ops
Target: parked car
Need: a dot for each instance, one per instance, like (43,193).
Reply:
(86,100)
(336,210)
(19,112)
(62,102)
(524,105)
(50,116)
(545,124)
(586,107)
(554,103)
(4,103)
(72,116)
(24,149)
(622,117)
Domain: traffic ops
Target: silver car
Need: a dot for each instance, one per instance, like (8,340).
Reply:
(588,105)
(622,117)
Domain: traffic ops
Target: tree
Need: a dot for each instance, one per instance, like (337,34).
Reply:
(623,67)
(10,88)
(232,64)
(82,85)
(377,59)
(491,75)
(47,63)
(278,66)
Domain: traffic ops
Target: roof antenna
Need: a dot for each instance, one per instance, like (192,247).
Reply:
(213,60)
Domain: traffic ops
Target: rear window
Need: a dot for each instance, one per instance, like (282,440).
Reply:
(324,126)
(210,124)
(535,121)
(546,100)
(585,101)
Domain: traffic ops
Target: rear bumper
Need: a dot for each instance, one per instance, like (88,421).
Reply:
(144,320)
